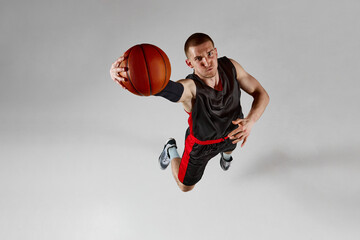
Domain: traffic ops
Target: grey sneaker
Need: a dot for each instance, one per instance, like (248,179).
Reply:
(164,158)
(225,164)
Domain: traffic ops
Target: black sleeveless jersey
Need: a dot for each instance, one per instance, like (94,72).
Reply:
(213,111)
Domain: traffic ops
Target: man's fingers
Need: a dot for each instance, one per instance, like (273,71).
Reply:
(240,135)
(118,62)
(122,69)
(234,132)
(237,131)
(120,59)
(114,65)
(237,121)
(121,79)
(242,138)
(118,72)
(231,135)
(237,140)
(243,143)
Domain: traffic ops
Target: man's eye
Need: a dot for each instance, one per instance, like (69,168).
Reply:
(210,53)
(198,59)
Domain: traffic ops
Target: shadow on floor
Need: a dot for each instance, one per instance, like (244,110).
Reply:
(326,182)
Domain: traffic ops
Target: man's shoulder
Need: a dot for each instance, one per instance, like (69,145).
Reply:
(187,81)
(191,76)
(226,62)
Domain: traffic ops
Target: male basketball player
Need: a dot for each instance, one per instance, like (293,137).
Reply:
(211,97)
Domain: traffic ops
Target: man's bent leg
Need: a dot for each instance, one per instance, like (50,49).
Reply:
(175,165)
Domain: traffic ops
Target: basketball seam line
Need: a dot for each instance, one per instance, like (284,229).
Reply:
(147,67)
(127,73)
(164,65)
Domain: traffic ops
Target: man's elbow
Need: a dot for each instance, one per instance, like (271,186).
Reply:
(262,95)
(266,97)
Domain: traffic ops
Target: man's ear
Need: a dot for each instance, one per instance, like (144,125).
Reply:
(187,61)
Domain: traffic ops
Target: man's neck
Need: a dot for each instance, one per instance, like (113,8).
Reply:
(213,82)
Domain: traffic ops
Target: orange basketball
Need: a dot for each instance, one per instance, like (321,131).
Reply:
(147,68)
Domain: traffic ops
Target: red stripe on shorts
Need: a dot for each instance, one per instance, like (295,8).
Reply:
(189,143)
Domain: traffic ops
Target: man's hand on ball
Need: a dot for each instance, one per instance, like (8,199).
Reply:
(117,73)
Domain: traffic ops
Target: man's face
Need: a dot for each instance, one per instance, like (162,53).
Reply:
(203,59)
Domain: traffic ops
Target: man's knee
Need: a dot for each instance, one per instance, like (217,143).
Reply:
(185,188)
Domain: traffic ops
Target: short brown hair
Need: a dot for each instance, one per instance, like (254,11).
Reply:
(196,39)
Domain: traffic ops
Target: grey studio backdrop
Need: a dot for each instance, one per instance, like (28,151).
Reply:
(78,155)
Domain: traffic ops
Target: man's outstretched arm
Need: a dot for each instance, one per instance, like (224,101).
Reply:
(182,91)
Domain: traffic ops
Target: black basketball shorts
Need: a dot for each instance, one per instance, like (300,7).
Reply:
(196,156)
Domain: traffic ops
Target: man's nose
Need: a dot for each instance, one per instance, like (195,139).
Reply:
(205,62)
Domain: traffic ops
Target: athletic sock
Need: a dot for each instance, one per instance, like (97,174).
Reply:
(226,156)
(173,153)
